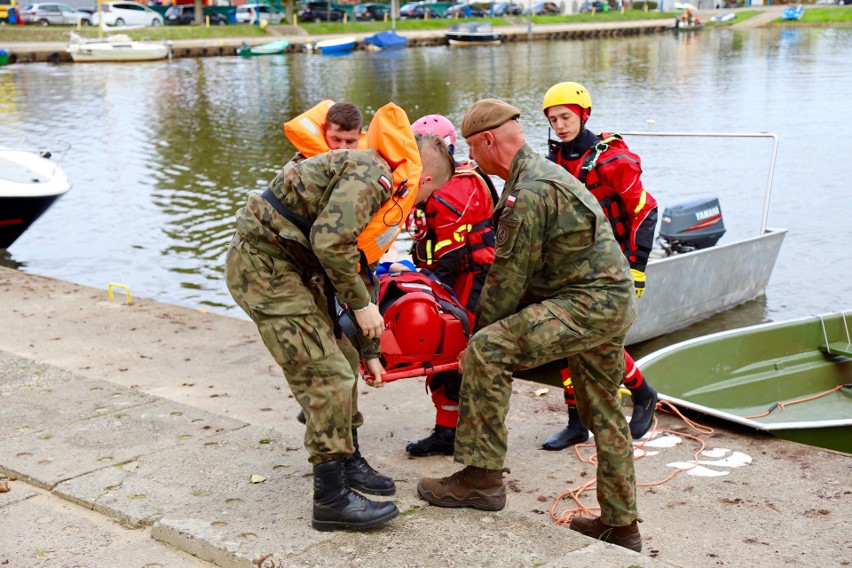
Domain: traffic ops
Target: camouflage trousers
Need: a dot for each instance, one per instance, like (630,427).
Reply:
(289,307)
(533,337)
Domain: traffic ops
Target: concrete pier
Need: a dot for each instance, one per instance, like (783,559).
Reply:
(130,435)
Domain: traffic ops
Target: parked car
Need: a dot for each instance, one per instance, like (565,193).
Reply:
(185,14)
(320,12)
(416,11)
(543,9)
(367,12)
(598,5)
(465,11)
(51,14)
(508,9)
(127,14)
(247,13)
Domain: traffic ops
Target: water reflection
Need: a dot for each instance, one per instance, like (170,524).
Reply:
(164,154)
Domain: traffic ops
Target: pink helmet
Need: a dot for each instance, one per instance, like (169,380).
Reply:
(438,125)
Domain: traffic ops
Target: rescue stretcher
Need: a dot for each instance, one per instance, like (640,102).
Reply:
(426,328)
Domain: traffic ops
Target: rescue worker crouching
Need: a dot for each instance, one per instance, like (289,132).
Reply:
(298,247)
(612,173)
(454,241)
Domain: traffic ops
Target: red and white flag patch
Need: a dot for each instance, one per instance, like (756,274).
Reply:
(510,201)
(385,182)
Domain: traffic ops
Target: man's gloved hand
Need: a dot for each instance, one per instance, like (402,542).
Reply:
(638,281)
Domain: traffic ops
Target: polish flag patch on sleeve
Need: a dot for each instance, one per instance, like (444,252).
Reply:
(510,201)
(386,183)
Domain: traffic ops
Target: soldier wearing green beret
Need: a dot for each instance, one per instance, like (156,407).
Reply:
(559,287)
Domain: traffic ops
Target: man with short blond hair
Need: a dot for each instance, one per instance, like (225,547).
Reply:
(559,288)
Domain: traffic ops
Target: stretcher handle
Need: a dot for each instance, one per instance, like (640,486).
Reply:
(415,372)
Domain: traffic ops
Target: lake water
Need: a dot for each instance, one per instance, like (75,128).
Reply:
(163,153)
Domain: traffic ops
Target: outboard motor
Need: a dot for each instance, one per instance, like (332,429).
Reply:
(691,225)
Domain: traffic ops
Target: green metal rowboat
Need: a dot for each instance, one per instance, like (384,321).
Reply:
(791,379)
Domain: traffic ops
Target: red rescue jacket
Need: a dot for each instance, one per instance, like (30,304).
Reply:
(455,240)
(608,168)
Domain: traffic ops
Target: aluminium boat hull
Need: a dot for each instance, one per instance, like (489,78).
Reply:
(687,288)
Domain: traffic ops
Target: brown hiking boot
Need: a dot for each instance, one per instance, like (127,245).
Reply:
(470,487)
(627,537)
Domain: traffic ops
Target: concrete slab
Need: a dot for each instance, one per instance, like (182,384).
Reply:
(47,457)
(787,504)
(209,476)
(38,398)
(46,532)
(410,540)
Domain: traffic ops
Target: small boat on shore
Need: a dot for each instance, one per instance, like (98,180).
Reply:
(271,48)
(386,40)
(792,13)
(472,33)
(335,46)
(730,16)
(792,379)
(30,181)
(118,47)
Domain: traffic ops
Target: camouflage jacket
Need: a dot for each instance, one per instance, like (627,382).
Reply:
(339,192)
(554,245)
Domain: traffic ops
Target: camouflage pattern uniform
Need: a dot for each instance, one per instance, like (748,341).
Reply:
(559,287)
(278,276)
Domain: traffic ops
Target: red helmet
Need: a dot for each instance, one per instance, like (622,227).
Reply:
(438,125)
(416,324)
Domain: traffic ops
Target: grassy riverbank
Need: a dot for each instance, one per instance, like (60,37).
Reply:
(828,16)
(60,33)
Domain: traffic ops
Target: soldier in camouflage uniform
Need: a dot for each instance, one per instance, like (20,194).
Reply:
(295,249)
(559,287)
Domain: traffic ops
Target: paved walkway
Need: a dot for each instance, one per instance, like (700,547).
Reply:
(132,433)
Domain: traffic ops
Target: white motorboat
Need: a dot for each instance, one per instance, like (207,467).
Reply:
(472,33)
(29,184)
(118,47)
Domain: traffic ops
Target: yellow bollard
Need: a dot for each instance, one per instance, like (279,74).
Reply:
(345,18)
(112,285)
(206,21)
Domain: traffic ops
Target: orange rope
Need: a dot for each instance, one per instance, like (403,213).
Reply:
(781,405)
(575,493)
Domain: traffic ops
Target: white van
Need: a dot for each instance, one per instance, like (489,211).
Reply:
(247,13)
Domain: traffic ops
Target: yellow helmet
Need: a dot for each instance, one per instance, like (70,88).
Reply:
(567,94)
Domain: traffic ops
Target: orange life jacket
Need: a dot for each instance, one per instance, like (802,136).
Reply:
(305,131)
(391,135)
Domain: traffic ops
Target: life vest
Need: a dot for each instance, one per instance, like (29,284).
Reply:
(391,135)
(305,131)
(468,200)
(588,168)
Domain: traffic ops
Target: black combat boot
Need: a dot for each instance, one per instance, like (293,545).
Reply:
(574,433)
(644,403)
(336,506)
(364,478)
(442,440)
